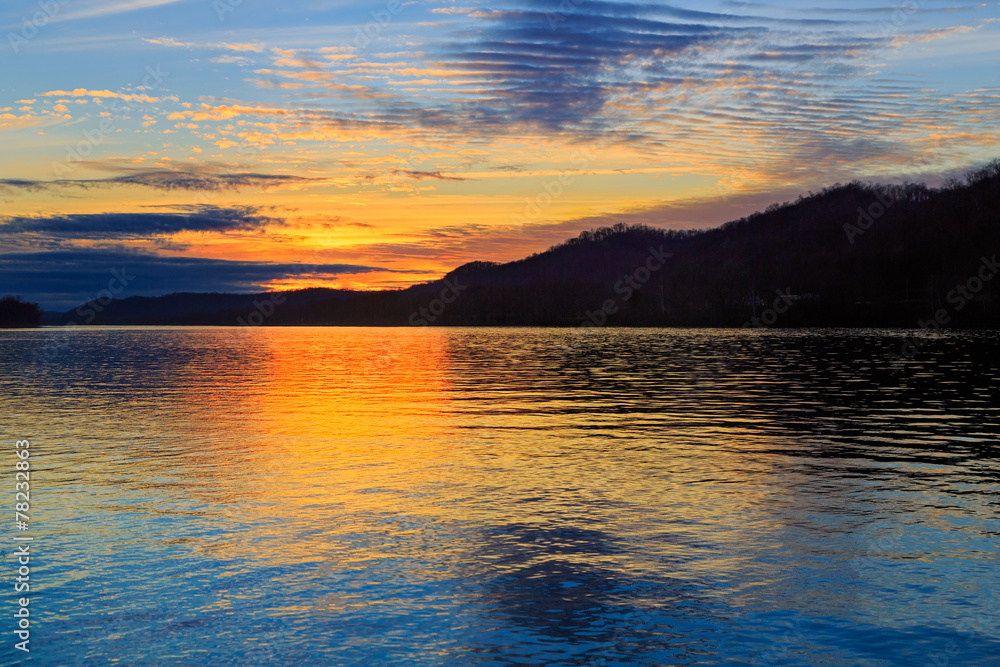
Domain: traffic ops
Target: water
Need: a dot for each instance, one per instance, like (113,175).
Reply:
(325,496)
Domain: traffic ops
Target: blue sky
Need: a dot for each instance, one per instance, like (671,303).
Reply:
(401,139)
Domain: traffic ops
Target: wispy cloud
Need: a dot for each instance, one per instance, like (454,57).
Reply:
(252,47)
(105,8)
(120,226)
(194,180)
(420,175)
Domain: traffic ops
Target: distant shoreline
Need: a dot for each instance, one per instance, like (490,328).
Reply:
(508,326)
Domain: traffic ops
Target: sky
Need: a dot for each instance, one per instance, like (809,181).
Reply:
(247,145)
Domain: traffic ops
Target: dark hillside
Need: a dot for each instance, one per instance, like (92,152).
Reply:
(852,255)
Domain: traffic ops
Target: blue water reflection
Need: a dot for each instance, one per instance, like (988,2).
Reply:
(508,496)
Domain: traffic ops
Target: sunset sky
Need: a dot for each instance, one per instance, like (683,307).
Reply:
(242,145)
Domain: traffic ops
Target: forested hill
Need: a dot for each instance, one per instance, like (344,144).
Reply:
(851,255)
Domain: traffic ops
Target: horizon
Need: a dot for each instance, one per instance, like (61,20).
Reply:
(222,146)
(116,274)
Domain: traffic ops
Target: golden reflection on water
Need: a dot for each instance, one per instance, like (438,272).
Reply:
(331,473)
(318,433)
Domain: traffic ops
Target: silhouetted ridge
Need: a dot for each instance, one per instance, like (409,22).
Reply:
(855,254)
(15,312)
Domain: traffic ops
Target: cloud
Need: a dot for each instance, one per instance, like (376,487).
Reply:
(78,92)
(251,47)
(104,8)
(128,97)
(232,60)
(31,186)
(931,35)
(63,279)
(577,66)
(420,175)
(119,226)
(191,180)
(182,180)
(577,70)
(697,88)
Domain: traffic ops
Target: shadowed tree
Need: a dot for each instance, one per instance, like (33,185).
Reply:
(16,312)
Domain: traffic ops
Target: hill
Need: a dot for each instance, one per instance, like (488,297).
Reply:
(15,312)
(859,254)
